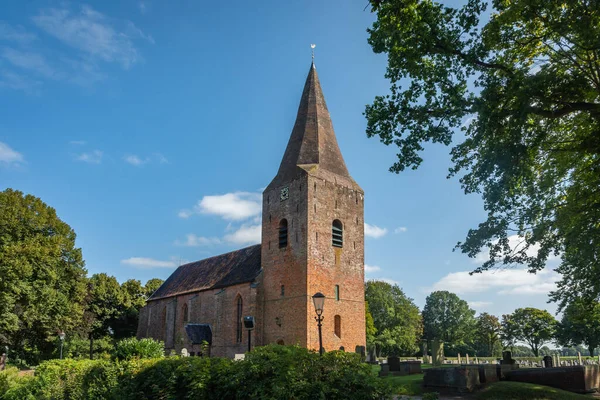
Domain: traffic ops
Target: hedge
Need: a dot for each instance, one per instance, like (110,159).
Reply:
(270,372)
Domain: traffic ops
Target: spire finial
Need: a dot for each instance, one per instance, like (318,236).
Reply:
(312,46)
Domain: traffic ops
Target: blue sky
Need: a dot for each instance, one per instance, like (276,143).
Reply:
(152,127)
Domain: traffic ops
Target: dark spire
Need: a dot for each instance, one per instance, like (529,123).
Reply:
(313,141)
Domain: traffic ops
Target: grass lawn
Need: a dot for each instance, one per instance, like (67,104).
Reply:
(409,385)
(526,391)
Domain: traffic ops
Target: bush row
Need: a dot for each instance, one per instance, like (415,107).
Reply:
(270,372)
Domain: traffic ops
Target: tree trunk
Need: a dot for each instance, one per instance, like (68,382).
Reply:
(91,346)
(592,348)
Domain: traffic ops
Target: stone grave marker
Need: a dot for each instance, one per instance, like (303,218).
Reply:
(2,361)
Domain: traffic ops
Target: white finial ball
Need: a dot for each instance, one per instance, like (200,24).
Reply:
(312,46)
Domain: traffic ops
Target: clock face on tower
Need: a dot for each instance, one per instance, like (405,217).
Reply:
(284,194)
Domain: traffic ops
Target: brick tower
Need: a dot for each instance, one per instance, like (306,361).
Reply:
(313,237)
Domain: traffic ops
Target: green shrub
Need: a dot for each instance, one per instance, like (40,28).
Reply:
(8,379)
(431,396)
(129,348)
(271,372)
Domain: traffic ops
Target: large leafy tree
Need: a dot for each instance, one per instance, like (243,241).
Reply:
(395,317)
(518,97)
(152,286)
(580,324)
(448,318)
(509,332)
(42,276)
(487,333)
(534,327)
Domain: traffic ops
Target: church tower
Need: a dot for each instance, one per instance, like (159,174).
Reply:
(313,237)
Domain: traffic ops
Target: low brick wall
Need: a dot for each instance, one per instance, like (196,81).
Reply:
(578,379)
(489,373)
(461,379)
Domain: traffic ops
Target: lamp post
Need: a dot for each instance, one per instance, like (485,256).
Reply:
(61,336)
(249,324)
(319,301)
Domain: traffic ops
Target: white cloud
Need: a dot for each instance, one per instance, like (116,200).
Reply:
(192,240)
(371,268)
(142,6)
(93,33)
(9,155)
(478,305)
(94,157)
(374,231)
(387,280)
(16,34)
(246,234)
(30,61)
(147,263)
(400,229)
(12,80)
(505,281)
(138,161)
(134,160)
(235,206)
(516,243)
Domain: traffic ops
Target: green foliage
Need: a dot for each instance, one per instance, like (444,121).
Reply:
(129,348)
(518,97)
(77,347)
(8,379)
(370,330)
(396,319)
(533,326)
(43,277)
(487,335)
(580,324)
(271,372)
(448,318)
(431,396)
(152,286)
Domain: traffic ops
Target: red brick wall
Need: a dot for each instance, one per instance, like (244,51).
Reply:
(215,307)
(310,263)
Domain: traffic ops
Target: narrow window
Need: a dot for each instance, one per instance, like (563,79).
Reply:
(283,233)
(238,332)
(185,313)
(337,320)
(282,290)
(297,207)
(269,218)
(337,234)
(337,292)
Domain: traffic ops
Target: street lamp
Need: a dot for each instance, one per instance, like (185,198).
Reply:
(319,301)
(61,336)
(249,324)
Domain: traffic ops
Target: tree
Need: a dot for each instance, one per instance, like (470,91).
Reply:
(42,276)
(580,324)
(395,317)
(534,327)
(448,318)
(104,306)
(370,329)
(134,298)
(487,333)
(509,332)
(519,98)
(152,286)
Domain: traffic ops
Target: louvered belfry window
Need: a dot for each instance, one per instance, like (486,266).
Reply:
(283,233)
(337,234)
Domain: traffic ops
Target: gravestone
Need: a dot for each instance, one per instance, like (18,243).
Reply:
(579,358)
(394,363)
(425,359)
(467,358)
(548,362)
(558,363)
(385,370)
(459,360)
(2,361)
(430,359)
(184,352)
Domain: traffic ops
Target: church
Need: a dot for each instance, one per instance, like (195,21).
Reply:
(312,241)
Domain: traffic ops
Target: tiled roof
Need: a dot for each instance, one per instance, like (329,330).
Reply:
(313,141)
(212,273)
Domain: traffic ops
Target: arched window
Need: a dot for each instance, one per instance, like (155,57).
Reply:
(280,342)
(336,290)
(185,313)
(337,321)
(238,316)
(337,234)
(164,322)
(283,233)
